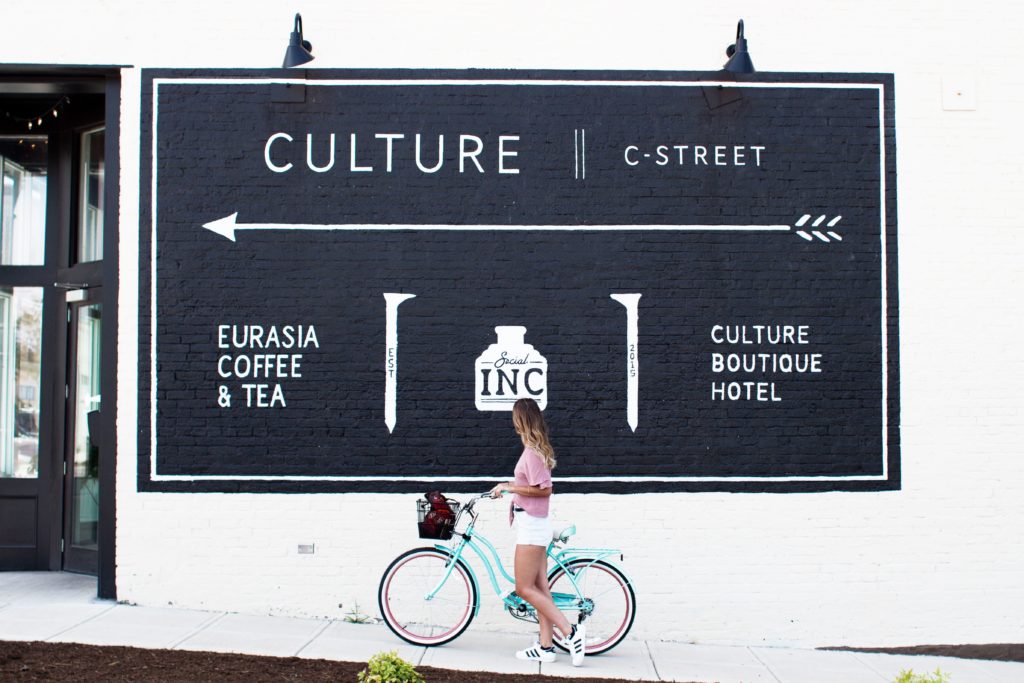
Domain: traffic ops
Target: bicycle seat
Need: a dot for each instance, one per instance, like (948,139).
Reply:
(562,535)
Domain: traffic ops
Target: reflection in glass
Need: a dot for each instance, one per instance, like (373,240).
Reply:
(22,200)
(90,213)
(86,488)
(21,333)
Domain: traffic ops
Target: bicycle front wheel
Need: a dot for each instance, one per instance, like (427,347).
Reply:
(607,597)
(409,610)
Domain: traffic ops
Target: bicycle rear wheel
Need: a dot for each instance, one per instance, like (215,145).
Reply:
(403,597)
(612,601)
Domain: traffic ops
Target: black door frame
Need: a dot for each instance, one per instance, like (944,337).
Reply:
(76,559)
(71,80)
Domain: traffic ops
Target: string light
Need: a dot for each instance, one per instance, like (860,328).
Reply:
(37,121)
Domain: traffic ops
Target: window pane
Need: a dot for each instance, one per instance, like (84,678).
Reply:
(22,200)
(90,213)
(21,334)
(87,401)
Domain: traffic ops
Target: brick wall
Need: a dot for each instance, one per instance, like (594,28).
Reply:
(937,561)
(703,210)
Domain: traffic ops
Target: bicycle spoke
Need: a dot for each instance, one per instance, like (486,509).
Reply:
(428,597)
(408,611)
(610,599)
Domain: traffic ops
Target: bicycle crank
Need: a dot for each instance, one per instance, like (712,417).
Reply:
(520,609)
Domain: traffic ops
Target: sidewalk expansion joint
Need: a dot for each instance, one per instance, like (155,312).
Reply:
(766,667)
(650,656)
(80,623)
(199,629)
(868,666)
(316,635)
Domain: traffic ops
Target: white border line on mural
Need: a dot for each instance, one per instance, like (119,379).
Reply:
(157,82)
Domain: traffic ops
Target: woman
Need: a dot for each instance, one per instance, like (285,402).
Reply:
(530,504)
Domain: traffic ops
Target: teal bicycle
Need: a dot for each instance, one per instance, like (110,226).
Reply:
(429,596)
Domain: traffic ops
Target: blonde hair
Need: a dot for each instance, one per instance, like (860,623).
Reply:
(531,428)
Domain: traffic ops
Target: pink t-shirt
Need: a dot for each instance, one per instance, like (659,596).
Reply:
(531,471)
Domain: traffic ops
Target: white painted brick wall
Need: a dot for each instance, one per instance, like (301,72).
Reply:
(939,561)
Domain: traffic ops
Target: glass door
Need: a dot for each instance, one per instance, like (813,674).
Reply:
(24,368)
(56,505)
(82,446)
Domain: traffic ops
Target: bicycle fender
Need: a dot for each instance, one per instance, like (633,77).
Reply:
(472,575)
(586,561)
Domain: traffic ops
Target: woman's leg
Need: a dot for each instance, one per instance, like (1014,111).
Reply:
(531,562)
(541,582)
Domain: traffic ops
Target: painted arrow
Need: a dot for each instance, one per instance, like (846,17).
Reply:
(229,227)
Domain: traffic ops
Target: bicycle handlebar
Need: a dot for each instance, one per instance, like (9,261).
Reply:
(483,496)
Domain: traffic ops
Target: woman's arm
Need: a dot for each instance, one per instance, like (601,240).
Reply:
(529,491)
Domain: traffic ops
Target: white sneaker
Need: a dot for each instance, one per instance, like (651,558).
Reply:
(576,644)
(535,653)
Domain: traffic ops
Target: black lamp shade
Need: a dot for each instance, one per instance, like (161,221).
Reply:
(739,59)
(299,51)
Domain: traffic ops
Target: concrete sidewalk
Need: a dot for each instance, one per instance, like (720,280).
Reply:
(60,607)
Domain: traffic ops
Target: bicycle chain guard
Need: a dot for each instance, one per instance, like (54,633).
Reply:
(520,609)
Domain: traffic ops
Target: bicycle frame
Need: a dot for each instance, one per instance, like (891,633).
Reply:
(563,558)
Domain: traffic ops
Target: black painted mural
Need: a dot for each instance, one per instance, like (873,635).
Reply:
(348,277)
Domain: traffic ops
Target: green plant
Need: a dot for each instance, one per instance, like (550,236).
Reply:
(388,667)
(908,676)
(354,616)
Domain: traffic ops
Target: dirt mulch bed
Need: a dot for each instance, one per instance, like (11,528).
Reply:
(73,662)
(1003,652)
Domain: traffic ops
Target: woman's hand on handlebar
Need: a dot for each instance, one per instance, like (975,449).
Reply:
(500,489)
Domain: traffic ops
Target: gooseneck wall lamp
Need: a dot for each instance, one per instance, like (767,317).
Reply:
(739,59)
(299,51)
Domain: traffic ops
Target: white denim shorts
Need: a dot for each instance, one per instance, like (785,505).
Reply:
(532,530)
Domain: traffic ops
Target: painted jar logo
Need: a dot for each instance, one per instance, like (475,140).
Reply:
(509,370)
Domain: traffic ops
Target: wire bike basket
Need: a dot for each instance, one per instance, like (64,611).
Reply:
(436,515)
